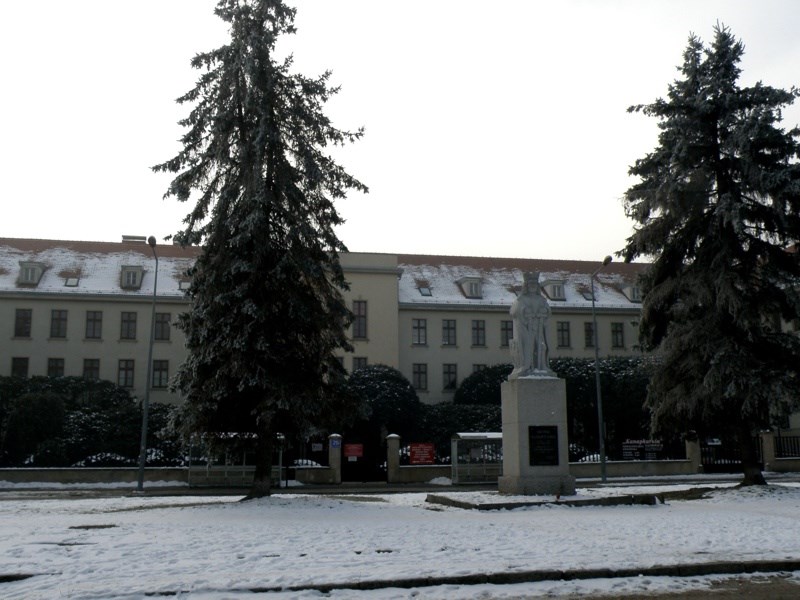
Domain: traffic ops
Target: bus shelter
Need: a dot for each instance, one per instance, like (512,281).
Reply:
(476,457)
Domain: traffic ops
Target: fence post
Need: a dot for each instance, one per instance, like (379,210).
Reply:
(393,458)
(335,457)
(768,450)
(693,454)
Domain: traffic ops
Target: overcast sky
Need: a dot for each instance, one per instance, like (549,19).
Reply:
(492,128)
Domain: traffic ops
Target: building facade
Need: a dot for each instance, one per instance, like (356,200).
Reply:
(84,309)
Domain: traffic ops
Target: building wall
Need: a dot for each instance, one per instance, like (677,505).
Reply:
(373,279)
(75,347)
(467,356)
(385,287)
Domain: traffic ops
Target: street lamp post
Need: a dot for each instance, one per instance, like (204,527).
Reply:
(600,422)
(151,241)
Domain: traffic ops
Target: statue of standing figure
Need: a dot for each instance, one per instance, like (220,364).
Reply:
(530,312)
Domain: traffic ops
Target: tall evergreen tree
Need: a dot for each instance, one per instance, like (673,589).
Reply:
(717,209)
(267,313)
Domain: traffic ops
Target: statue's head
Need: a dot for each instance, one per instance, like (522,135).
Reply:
(531,282)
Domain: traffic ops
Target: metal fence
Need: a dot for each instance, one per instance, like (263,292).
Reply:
(725,456)
(787,446)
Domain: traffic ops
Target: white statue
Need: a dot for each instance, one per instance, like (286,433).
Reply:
(530,312)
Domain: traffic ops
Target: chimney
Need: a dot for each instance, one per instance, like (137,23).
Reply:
(135,239)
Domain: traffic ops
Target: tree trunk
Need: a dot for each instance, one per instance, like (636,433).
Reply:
(262,478)
(750,465)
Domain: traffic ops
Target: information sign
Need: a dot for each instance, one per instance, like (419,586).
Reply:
(354,450)
(422,454)
(543,445)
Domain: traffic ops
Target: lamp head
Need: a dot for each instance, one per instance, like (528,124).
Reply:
(607,260)
(151,241)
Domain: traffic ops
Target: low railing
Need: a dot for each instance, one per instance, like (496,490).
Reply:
(787,446)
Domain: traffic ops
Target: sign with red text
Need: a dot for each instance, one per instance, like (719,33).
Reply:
(422,454)
(354,450)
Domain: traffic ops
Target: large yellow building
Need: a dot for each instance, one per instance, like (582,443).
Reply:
(84,308)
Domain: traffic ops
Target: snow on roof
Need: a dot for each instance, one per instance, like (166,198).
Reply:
(97,266)
(501,279)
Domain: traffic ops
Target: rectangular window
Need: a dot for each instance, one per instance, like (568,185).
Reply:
(94,324)
(160,373)
(588,334)
(127,330)
(162,326)
(55,367)
(448,332)
(419,376)
(506,332)
(449,377)
(22,322)
(479,332)
(562,334)
(617,335)
(58,323)
(359,319)
(91,368)
(125,373)
(359,362)
(19,366)
(419,332)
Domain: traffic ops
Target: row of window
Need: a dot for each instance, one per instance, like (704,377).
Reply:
(23,324)
(419,376)
(91,370)
(419,333)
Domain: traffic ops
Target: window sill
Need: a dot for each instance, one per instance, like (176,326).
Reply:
(57,339)
(92,339)
(478,346)
(450,346)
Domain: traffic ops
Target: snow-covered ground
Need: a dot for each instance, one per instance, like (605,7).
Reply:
(215,547)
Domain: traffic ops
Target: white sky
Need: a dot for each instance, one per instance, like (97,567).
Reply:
(492,128)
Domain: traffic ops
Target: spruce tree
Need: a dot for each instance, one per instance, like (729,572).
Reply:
(716,208)
(267,312)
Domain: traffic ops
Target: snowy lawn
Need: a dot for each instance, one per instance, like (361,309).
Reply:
(217,547)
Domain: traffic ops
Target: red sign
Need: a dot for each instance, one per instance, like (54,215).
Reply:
(422,454)
(354,450)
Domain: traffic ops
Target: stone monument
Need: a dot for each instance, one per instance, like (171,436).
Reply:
(534,405)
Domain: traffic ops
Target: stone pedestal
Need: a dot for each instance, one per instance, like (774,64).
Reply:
(535,445)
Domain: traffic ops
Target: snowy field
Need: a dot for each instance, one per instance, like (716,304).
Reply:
(217,547)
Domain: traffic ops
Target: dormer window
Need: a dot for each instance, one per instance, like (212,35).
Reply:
(587,295)
(131,278)
(471,287)
(424,287)
(554,289)
(71,282)
(634,293)
(184,285)
(30,273)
